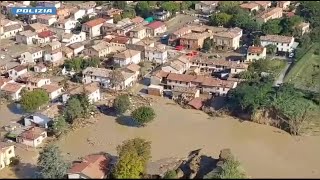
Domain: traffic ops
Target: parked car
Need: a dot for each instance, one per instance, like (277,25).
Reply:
(291,55)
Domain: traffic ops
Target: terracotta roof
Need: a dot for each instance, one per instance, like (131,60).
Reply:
(155,24)
(38,26)
(50,88)
(255,49)
(89,88)
(76,45)
(19,68)
(276,38)
(289,14)
(12,27)
(120,39)
(93,166)
(41,65)
(95,22)
(3,81)
(12,87)
(32,133)
(180,77)
(133,67)
(160,74)
(249,5)
(263,3)
(45,34)
(137,20)
(196,103)
(212,82)
(271,12)
(126,54)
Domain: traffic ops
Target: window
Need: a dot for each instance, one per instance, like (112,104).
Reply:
(10,151)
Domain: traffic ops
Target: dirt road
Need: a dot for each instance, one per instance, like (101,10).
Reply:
(263,151)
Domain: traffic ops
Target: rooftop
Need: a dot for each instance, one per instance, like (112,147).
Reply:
(32,133)
(155,24)
(126,54)
(89,88)
(95,22)
(255,49)
(249,5)
(50,88)
(277,38)
(27,33)
(45,34)
(271,12)
(100,72)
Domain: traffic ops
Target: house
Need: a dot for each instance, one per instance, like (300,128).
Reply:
(228,39)
(55,4)
(13,90)
(26,37)
(54,45)
(174,67)
(283,4)
(34,82)
(54,57)
(137,20)
(53,90)
(206,7)
(156,28)
(92,90)
(76,48)
(67,52)
(36,27)
(274,13)
(102,76)
(17,71)
(283,43)
(77,13)
(161,15)
(187,93)
(304,27)
(134,68)
(196,103)
(250,6)
(117,42)
(70,38)
(6,153)
(127,57)
(10,30)
(256,53)
(101,49)
(31,56)
(63,13)
(32,137)
(45,37)
(158,54)
(46,19)
(263,4)
(66,24)
(93,27)
(194,40)
(40,68)
(37,120)
(88,6)
(217,87)
(125,29)
(113,12)
(91,167)
(138,32)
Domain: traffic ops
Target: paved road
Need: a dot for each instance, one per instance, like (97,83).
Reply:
(280,78)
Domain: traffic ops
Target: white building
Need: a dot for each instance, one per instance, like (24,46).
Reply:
(256,53)
(283,43)
(26,37)
(70,38)
(31,56)
(46,19)
(6,153)
(53,90)
(66,24)
(92,91)
(93,27)
(32,137)
(127,57)
(17,71)
(157,54)
(13,90)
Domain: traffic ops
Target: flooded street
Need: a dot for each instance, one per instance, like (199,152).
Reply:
(263,151)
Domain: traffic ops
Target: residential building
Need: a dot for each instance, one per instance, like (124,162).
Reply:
(26,37)
(17,71)
(31,56)
(157,54)
(283,43)
(40,68)
(138,32)
(161,15)
(34,82)
(250,6)
(67,52)
(263,4)
(91,167)
(53,90)
(45,37)
(256,53)
(93,27)
(13,90)
(274,13)
(174,67)
(63,13)
(54,57)
(10,30)
(284,4)
(32,137)
(194,40)
(127,57)
(78,13)
(37,120)
(66,24)
(101,49)
(70,38)
(6,153)
(92,90)
(36,27)
(227,39)
(76,48)
(156,28)
(206,7)
(46,19)
(134,68)
(137,20)
(112,12)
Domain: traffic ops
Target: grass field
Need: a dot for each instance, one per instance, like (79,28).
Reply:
(306,72)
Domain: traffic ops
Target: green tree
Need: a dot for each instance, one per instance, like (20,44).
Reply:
(229,170)
(122,103)
(271,49)
(128,13)
(170,6)
(85,103)
(185,5)
(220,19)
(272,27)
(120,4)
(51,164)
(143,9)
(228,6)
(117,18)
(73,109)
(207,44)
(171,174)
(138,145)
(33,3)
(257,41)
(59,126)
(129,166)
(33,100)
(143,115)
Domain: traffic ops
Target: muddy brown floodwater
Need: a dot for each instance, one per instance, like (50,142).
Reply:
(263,151)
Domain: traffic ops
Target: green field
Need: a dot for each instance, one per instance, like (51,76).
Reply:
(305,74)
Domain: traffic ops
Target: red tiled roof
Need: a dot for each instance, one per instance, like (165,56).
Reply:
(255,49)
(160,74)
(120,40)
(196,103)
(93,166)
(3,81)
(45,34)
(137,20)
(32,133)
(155,24)
(95,22)
(133,67)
